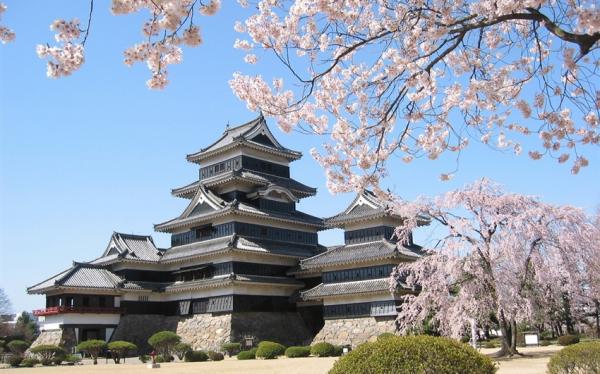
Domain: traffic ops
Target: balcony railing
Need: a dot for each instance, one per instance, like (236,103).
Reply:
(75,309)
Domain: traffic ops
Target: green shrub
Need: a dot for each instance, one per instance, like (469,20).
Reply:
(215,356)
(269,350)
(577,358)
(247,355)
(545,343)
(119,349)
(231,348)
(144,358)
(415,355)
(489,344)
(180,349)
(72,359)
(385,335)
(30,362)
(164,341)
(59,357)
(293,352)
(18,347)
(338,350)
(92,347)
(46,352)
(324,349)
(195,356)
(14,360)
(568,340)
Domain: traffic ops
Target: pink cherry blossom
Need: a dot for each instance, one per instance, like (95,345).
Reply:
(501,254)
(419,78)
(6,34)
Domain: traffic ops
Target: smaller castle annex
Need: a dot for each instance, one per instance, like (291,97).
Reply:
(355,294)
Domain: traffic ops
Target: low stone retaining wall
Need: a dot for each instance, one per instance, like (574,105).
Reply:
(354,331)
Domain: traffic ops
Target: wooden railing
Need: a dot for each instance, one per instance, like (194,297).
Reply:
(75,309)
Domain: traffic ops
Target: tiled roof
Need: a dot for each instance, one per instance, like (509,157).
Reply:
(198,248)
(232,278)
(255,134)
(80,275)
(365,206)
(300,190)
(237,207)
(361,252)
(235,242)
(129,247)
(347,288)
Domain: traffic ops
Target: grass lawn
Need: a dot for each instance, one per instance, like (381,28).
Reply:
(534,363)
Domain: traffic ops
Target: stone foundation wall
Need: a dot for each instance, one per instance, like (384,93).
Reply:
(204,331)
(354,331)
(52,337)
(137,328)
(287,328)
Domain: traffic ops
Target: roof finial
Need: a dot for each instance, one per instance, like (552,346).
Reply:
(227,127)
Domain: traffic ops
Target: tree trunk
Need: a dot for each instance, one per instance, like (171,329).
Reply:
(507,337)
(513,345)
(597,302)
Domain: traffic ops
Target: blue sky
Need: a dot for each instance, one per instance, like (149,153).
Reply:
(98,152)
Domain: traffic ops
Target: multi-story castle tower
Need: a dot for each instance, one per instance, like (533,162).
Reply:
(225,275)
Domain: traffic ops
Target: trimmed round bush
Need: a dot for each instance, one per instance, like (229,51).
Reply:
(72,359)
(338,350)
(120,348)
(293,352)
(29,362)
(59,357)
(144,358)
(180,349)
(18,347)
(93,347)
(215,356)
(247,355)
(14,360)
(568,340)
(46,352)
(385,335)
(322,349)
(231,348)
(269,350)
(489,344)
(164,341)
(576,358)
(415,355)
(195,356)
(545,343)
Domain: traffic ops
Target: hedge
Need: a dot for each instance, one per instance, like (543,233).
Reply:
(29,362)
(322,349)
(293,352)
(180,349)
(46,352)
(568,340)
(269,350)
(215,356)
(120,348)
(576,358)
(415,355)
(231,348)
(247,355)
(195,356)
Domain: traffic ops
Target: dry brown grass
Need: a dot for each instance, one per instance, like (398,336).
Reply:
(533,363)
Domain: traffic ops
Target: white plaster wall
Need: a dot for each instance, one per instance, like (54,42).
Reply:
(54,321)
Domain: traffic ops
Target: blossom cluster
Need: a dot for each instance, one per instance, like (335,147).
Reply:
(170,27)
(6,34)
(68,56)
(420,79)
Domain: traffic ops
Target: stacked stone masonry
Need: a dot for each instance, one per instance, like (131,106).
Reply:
(354,331)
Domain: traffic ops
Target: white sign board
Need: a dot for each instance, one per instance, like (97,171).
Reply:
(531,339)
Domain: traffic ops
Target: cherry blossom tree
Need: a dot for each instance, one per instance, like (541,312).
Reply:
(507,255)
(421,78)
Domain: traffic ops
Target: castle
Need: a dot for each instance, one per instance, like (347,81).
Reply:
(244,263)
